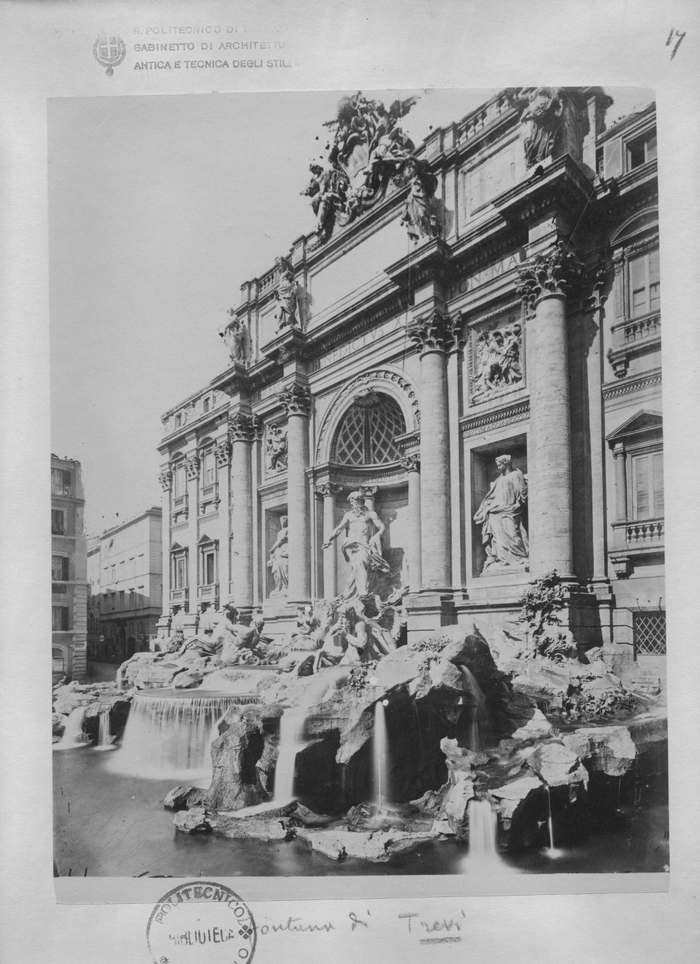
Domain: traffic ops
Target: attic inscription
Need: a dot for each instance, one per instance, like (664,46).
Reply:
(489,273)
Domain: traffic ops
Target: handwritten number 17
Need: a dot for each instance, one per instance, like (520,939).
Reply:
(680,36)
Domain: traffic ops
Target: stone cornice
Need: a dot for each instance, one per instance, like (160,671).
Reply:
(647,380)
(475,425)
(562,186)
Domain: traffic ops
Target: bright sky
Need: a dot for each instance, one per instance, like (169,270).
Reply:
(159,209)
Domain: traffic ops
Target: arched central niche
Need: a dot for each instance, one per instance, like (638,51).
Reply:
(366,434)
(388,383)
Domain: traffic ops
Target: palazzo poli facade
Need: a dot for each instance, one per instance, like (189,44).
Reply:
(471,340)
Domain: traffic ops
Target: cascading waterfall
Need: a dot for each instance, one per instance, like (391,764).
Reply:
(104,731)
(380,753)
(476,707)
(291,742)
(552,851)
(483,827)
(170,737)
(74,732)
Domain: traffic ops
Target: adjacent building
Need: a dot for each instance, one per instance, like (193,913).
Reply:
(68,571)
(126,587)
(471,339)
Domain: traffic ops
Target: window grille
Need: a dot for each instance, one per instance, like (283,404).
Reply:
(366,434)
(650,634)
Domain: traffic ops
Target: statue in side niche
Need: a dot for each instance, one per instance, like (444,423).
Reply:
(362,548)
(234,337)
(543,119)
(286,295)
(500,515)
(276,448)
(278,563)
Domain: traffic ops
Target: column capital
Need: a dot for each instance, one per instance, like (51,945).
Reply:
(165,477)
(192,466)
(325,489)
(619,450)
(411,463)
(295,399)
(242,428)
(223,453)
(556,271)
(436,331)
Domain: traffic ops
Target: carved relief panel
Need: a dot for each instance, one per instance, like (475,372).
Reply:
(275,448)
(496,357)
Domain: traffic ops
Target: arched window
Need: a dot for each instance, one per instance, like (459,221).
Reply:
(366,434)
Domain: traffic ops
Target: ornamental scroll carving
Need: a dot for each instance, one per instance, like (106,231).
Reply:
(242,428)
(436,332)
(166,479)
(192,466)
(296,400)
(553,272)
(369,151)
(223,453)
(410,463)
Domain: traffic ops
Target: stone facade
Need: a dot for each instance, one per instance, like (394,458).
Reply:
(492,292)
(68,571)
(126,587)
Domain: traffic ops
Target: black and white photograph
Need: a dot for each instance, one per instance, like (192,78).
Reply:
(333,352)
(358,493)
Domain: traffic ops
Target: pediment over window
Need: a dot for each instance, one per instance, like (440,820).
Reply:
(642,424)
(642,221)
(176,547)
(205,540)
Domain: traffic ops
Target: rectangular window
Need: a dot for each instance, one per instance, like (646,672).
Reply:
(208,468)
(59,568)
(180,572)
(647,486)
(178,421)
(60,482)
(58,522)
(57,661)
(59,619)
(122,570)
(179,481)
(644,284)
(209,560)
(206,405)
(649,632)
(113,601)
(641,150)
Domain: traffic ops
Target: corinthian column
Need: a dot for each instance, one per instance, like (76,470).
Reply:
(329,491)
(411,463)
(296,402)
(433,333)
(545,282)
(241,432)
